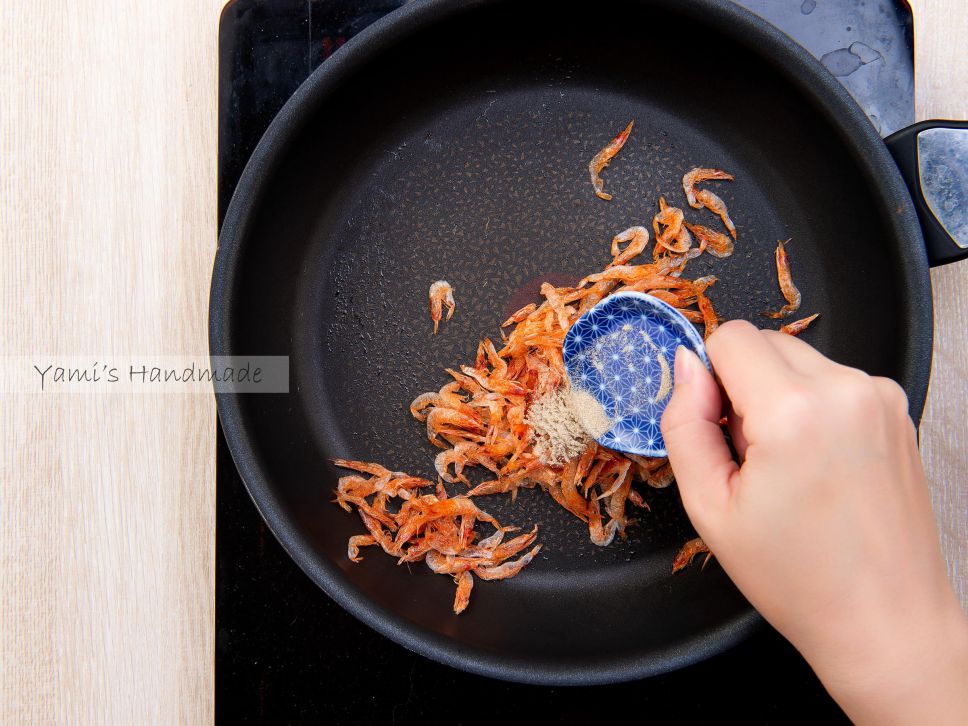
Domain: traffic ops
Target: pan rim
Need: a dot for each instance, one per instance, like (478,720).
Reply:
(801,70)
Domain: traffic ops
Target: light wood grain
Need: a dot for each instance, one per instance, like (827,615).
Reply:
(107,146)
(941,74)
(108,133)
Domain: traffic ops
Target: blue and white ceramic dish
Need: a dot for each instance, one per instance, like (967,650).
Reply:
(622,352)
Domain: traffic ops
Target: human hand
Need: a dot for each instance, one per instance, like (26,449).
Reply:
(825,524)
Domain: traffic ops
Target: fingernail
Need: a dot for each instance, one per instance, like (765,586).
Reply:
(683,365)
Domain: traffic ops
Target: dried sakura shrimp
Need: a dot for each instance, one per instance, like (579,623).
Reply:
(696,175)
(699,198)
(785,278)
(671,235)
(718,244)
(480,417)
(434,528)
(441,295)
(601,159)
(688,553)
(798,326)
(638,240)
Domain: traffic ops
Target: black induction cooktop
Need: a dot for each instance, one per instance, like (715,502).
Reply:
(285,652)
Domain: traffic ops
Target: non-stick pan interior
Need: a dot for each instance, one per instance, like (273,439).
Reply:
(460,152)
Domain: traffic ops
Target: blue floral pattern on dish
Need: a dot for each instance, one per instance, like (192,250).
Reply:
(622,352)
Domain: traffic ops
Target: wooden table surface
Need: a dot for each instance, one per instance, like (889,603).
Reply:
(107,502)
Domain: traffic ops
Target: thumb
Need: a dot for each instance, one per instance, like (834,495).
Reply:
(700,458)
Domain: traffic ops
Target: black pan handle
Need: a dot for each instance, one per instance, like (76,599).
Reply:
(933,159)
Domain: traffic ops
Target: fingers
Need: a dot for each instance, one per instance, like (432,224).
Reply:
(750,367)
(697,448)
(734,422)
(893,395)
(799,355)
(896,401)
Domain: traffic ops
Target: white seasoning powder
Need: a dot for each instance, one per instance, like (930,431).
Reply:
(558,434)
(564,422)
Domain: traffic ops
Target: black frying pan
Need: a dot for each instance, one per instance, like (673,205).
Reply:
(451,141)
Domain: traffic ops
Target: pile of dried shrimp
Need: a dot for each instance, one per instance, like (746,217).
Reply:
(434,528)
(479,418)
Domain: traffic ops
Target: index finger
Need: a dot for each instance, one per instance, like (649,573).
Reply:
(749,367)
